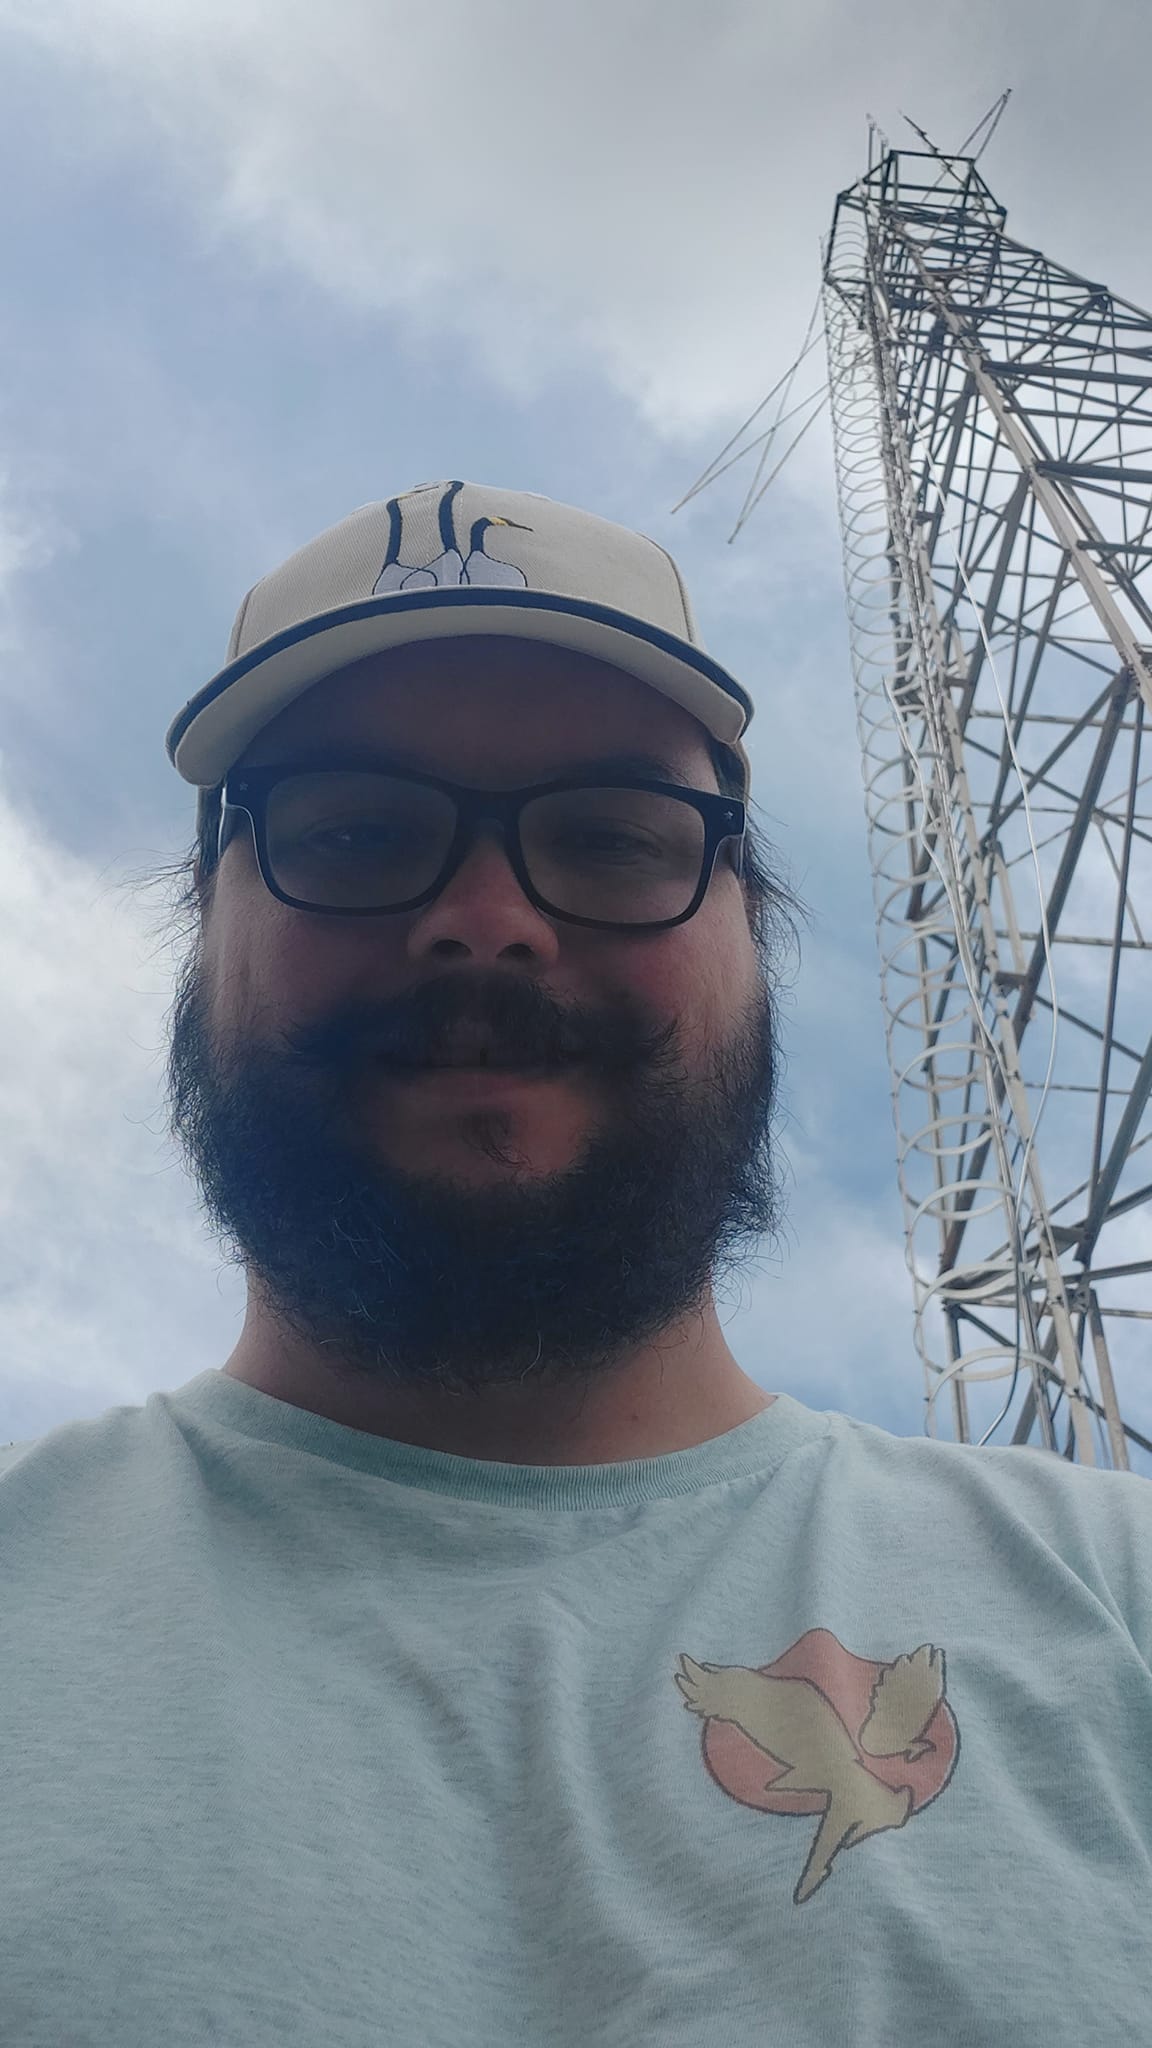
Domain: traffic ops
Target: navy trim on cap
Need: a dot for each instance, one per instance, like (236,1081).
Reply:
(424,600)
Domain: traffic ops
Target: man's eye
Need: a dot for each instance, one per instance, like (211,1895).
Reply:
(357,838)
(607,841)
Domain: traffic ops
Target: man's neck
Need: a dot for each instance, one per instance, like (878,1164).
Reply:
(680,1389)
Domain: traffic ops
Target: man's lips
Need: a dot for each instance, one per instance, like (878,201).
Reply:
(476,1059)
(474,1046)
(464,1085)
(406,1070)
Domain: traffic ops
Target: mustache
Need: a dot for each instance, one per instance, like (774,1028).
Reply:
(521,1024)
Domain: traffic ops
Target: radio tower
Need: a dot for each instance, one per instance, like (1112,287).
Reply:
(992,415)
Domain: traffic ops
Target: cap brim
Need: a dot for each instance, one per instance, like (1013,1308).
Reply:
(222,719)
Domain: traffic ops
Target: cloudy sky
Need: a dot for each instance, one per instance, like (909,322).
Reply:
(264,263)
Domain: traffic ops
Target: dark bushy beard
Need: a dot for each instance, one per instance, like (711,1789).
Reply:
(416,1280)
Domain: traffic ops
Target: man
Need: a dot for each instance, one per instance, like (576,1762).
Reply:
(481,1656)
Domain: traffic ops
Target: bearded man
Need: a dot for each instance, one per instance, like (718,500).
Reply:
(481,1655)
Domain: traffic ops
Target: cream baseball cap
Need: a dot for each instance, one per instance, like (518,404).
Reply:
(439,562)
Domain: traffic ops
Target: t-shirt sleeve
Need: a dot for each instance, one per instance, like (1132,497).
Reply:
(1101,1523)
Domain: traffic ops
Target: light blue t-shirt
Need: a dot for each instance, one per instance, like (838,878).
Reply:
(807,1736)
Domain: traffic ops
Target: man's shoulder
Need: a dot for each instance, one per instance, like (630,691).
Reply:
(71,1445)
(1021,1481)
(1030,1463)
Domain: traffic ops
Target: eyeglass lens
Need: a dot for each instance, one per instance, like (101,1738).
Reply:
(360,840)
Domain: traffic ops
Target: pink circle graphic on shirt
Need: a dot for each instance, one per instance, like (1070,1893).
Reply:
(835,1696)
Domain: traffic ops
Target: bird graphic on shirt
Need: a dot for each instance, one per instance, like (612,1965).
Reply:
(450,569)
(795,1725)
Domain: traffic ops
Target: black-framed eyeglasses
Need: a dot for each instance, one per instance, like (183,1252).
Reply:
(356,840)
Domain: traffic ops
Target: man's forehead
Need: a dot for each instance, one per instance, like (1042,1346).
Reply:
(646,765)
(479,702)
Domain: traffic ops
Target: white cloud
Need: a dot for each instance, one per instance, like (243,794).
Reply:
(644,187)
(827,1317)
(29,539)
(106,1274)
(21,544)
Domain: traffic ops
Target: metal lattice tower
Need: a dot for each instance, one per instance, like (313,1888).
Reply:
(993,427)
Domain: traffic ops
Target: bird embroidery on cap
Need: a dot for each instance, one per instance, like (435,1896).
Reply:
(448,570)
(864,1744)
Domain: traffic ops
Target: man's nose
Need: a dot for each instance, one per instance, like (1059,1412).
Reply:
(483,913)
